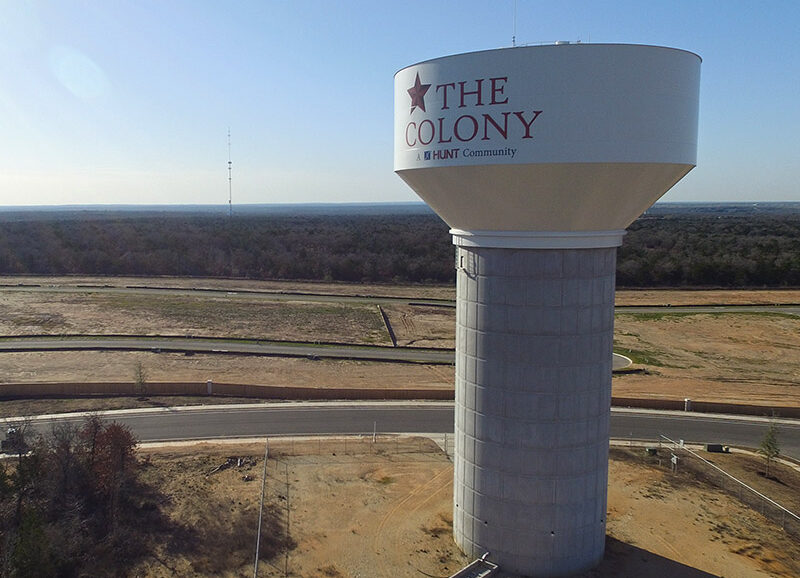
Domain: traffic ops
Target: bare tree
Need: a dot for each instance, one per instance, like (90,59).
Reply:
(770,447)
(88,433)
(66,467)
(27,478)
(140,379)
(115,460)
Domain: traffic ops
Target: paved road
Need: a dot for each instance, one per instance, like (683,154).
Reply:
(262,420)
(703,428)
(233,295)
(222,346)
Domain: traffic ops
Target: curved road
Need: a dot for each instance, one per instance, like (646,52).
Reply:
(232,294)
(287,419)
(242,347)
(223,346)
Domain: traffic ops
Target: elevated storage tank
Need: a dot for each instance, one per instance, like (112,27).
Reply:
(538,158)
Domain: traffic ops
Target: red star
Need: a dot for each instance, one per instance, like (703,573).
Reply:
(417,94)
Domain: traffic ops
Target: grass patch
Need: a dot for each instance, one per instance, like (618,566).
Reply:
(677,315)
(640,357)
(442,526)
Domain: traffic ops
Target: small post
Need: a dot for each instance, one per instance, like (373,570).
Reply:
(288,512)
(374,430)
(261,507)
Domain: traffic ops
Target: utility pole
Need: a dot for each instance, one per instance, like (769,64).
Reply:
(230,189)
(261,509)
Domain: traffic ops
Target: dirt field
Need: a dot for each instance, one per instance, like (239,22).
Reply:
(313,287)
(742,357)
(100,366)
(385,511)
(420,326)
(54,313)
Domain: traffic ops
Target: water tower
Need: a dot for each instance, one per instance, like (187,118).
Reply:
(538,158)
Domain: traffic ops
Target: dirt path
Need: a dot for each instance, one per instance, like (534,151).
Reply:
(404,515)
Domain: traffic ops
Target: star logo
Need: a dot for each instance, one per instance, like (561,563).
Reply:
(417,94)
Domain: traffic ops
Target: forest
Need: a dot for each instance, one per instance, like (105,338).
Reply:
(68,501)
(678,246)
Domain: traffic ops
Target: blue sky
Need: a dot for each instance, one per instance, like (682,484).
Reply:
(130,101)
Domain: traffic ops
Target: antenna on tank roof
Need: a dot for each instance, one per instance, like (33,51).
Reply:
(514,28)
(230,198)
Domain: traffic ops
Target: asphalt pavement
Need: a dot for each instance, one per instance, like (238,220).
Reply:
(331,418)
(223,346)
(427,356)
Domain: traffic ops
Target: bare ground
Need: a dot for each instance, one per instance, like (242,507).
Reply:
(732,357)
(55,313)
(99,366)
(313,287)
(371,511)
(741,357)
(422,326)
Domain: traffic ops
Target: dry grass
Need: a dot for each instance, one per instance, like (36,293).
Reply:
(241,316)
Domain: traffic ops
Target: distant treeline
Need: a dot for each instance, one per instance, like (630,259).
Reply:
(407,248)
(679,248)
(689,249)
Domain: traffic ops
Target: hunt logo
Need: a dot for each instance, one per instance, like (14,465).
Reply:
(499,123)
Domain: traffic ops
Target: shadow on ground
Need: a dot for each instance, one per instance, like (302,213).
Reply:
(623,560)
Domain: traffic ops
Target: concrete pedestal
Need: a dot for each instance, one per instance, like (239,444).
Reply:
(533,389)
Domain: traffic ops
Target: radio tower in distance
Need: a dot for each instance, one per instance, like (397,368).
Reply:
(230,198)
